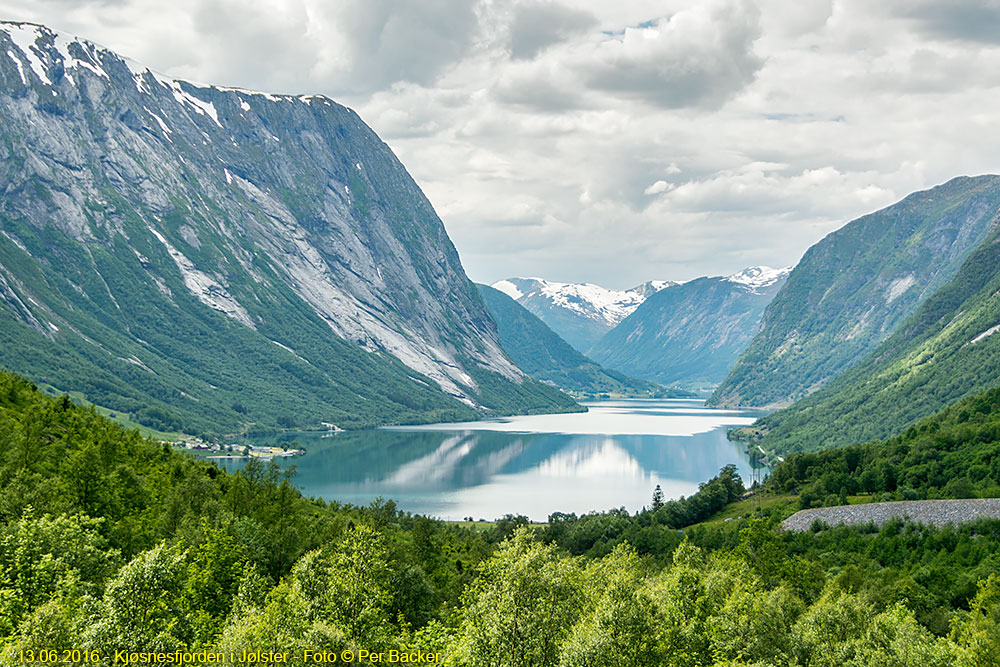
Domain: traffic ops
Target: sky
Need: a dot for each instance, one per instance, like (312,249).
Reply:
(612,143)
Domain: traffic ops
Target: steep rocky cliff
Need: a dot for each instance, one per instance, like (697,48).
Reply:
(213,258)
(945,351)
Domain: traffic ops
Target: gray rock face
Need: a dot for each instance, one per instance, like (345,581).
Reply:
(932,512)
(245,195)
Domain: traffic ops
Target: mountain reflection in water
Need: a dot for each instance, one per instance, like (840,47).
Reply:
(488,469)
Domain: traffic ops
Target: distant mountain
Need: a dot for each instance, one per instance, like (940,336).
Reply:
(543,355)
(947,350)
(691,334)
(213,259)
(649,288)
(854,288)
(580,313)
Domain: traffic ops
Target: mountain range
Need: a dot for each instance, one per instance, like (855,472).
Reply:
(202,258)
(945,351)
(885,321)
(541,353)
(580,313)
(215,260)
(690,334)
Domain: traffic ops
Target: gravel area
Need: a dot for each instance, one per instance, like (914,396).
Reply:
(934,512)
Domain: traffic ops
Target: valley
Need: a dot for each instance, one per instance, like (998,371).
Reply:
(251,400)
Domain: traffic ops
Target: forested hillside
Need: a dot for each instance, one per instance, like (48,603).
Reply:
(111,542)
(954,454)
(945,351)
(855,287)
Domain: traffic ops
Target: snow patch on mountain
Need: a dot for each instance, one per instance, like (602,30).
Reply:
(591,301)
(595,301)
(508,288)
(25,35)
(161,123)
(200,106)
(757,278)
(20,67)
(62,44)
(36,42)
(651,287)
(28,35)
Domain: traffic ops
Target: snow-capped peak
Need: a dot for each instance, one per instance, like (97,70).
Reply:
(508,288)
(584,299)
(651,287)
(40,46)
(757,278)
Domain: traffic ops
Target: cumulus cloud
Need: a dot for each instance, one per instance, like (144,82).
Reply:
(656,188)
(697,57)
(544,85)
(349,47)
(963,20)
(384,42)
(536,26)
(613,142)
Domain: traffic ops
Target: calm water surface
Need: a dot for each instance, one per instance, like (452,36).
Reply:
(612,456)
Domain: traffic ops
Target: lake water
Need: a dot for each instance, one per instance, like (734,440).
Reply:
(612,456)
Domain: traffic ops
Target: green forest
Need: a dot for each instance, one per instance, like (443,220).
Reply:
(114,542)
(954,454)
(197,371)
(835,310)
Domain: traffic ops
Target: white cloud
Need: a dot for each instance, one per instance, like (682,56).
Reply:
(959,20)
(613,142)
(656,188)
(535,26)
(700,56)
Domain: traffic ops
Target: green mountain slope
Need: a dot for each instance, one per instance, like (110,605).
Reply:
(851,290)
(945,351)
(691,334)
(212,259)
(543,355)
(953,454)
